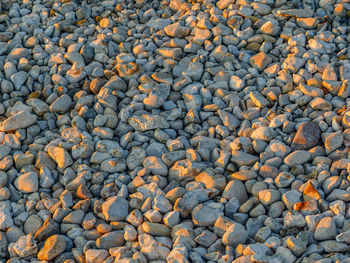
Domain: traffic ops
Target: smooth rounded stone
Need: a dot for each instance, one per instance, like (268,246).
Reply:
(27,183)
(155,165)
(241,158)
(115,209)
(330,183)
(32,224)
(333,142)
(244,175)
(156,229)
(110,240)
(54,246)
(257,211)
(307,136)
(25,246)
(61,105)
(60,156)
(297,158)
(338,194)
(332,246)
(20,120)
(206,214)
(96,255)
(269,196)
(235,235)
(235,189)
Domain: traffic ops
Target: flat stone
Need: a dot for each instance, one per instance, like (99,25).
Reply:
(110,240)
(243,159)
(244,175)
(156,229)
(297,157)
(20,120)
(148,122)
(308,23)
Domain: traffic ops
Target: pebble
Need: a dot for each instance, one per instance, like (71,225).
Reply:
(174,131)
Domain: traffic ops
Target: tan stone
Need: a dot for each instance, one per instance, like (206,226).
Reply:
(260,61)
(61,156)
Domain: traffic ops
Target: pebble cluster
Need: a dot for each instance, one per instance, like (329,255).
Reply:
(177,131)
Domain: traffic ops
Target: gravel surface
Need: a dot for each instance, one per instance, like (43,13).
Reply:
(174,131)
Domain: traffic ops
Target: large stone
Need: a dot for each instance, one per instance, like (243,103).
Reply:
(96,255)
(111,239)
(25,246)
(54,246)
(236,189)
(61,105)
(241,158)
(60,156)
(235,235)
(27,182)
(297,157)
(20,120)
(307,136)
(177,30)
(326,229)
(206,214)
(148,122)
(115,209)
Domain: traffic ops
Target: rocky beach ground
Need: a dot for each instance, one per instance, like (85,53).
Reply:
(174,131)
